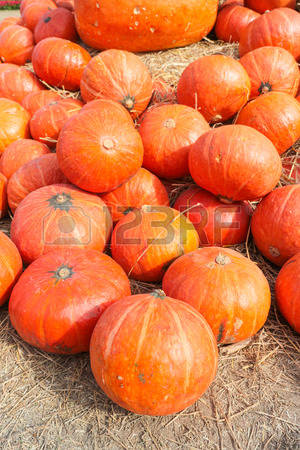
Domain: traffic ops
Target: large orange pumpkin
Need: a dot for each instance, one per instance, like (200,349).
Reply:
(57,301)
(267,5)
(288,292)
(168,132)
(232,20)
(271,69)
(56,23)
(60,62)
(152,354)
(215,222)
(229,290)
(278,28)
(47,122)
(36,100)
(10,266)
(146,240)
(276,115)
(144,25)
(143,188)
(14,122)
(276,224)
(19,153)
(16,45)
(217,85)
(3,195)
(99,149)
(33,12)
(36,173)
(57,217)
(16,82)
(235,162)
(118,75)
(8,21)
(24,3)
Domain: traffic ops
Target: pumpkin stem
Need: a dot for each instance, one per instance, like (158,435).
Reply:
(62,273)
(222,260)
(61,201)
(170,123)
(264,88)
(274,251)
(108,143)
(47,19)
(128,102)
(225,200)
(158,293)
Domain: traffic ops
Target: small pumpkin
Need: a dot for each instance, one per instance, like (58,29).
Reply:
(16,82)
(10,267)
(276,224)
(59,23)
(3,195)
(36,100)
(16,45)
(58,299)
(8,21)
(14,120)
(267,5)
(33,12)
(152,354)
(232,20)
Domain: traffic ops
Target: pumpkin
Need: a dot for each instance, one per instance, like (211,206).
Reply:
(168,133)
(276,115)
(120,76)
(57,217)
(46,123)
(267,5)
(162,92)
(14,120)
(229,290)
(145,25)
(33,12)
(19,153)
(36,100)
(10,266)
(16,82)
(67,4)
(271,69)
(288,293)
(278,28)
(58,299)
(24,3)
(146,240)
(232,20)
(56,23)
(16,45)
(235,162)
(143,188)
(3,195)
(60,62)
(291,168)
(99,149)
(217,85)
(8,21)
(34,174)
(276,224)
(215,222)
(152,354)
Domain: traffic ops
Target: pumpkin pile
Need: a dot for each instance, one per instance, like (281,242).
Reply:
(89,149)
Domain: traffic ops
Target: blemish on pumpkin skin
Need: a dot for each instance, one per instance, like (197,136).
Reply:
(221,332)
(142,378)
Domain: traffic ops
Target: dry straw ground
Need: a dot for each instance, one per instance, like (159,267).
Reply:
(52,402)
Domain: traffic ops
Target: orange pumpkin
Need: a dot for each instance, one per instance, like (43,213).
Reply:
(144,25)
(8,21)
(236,306)
(276,115)
(58,217)
(33,12)
(288,293)
(232,20)
(16,45)
(3,195)
(235,163)
(271,69)
(10,267)
(34,174)
(47,122)
(14,120)
(36,100)
(60,62)
(16,82)
(56,23)
(217,85)
(168,133)
(99,149)
(276,224)
(163,92)
(267,5)
(19,153)
(25,3)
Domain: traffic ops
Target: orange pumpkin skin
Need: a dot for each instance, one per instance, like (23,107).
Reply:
(168,133)
(47,122)
(8,21)
(147,381)
(288,293)
(99,149)
(162,92)
(16,82)
(14,120)
(56,23)
(100,104)
(232,20)
(271,69)
(19,153)
(33,12)
(120,76)
(235,307)
(217,85)
(57,217)
(16,45)
(143,188)
(276,115)
(25,3)
(33,175)
(235,163)
(3,195)
(144,26)
(267,5)
(36,100)
(60,62)
(276,224)
(278,28)
(146,240)
(57,301)
(215,222)
(10,266)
